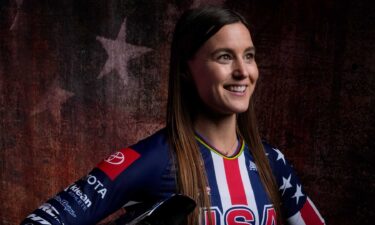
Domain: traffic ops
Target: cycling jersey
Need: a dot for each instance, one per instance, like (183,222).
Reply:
(145,173)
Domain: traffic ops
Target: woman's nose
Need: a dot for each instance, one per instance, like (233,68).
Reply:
(239,70)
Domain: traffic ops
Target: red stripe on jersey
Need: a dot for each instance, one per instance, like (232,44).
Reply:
(234,180)
(212,214)
(309,215)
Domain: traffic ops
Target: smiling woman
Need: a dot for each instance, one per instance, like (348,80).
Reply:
(210,149)
(224,70)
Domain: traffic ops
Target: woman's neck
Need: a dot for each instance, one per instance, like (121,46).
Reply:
(219,131)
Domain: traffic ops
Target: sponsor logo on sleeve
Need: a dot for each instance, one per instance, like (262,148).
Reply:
(64,203)
(50,210)
(79,196)
(97,185)
(38,219)
(116,163)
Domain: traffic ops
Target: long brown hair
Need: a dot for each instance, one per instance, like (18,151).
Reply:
(192,30)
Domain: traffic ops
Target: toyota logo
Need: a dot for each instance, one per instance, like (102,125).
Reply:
(116,158)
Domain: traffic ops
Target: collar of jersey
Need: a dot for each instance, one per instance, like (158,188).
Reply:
(239,149)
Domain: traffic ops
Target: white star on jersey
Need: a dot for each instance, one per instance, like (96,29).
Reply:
(298,193)
(279,155)
(286,184)
(253,166)
(119,53)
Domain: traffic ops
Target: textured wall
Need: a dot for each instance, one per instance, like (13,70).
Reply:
(80,79)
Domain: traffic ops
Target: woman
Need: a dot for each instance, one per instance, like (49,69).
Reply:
(210,149)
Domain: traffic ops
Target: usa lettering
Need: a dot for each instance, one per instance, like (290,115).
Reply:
(270,219)
(238,215)
(98,186)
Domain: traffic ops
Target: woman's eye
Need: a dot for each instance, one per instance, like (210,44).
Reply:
(224,58)
(250,56)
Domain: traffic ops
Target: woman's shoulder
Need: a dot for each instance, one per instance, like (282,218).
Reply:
(149,154)
(280,165)
(141,161)
(156,142)
(274,154)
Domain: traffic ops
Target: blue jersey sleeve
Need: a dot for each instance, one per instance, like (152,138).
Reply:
(296,206)
(140,173)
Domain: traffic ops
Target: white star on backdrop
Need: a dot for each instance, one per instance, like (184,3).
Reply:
(286,184)
(279,155)
(52,101)
(119,53)
(16,18)
(298,193)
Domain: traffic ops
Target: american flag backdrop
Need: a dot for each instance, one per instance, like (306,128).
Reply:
(80,79)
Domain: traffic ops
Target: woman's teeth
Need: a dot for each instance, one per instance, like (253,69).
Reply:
(236,88)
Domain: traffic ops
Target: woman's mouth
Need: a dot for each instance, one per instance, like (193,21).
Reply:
(236,88)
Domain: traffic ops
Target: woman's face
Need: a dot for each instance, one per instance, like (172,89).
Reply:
(224,70)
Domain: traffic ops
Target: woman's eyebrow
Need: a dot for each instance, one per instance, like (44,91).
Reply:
(249,49)
(222,50)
